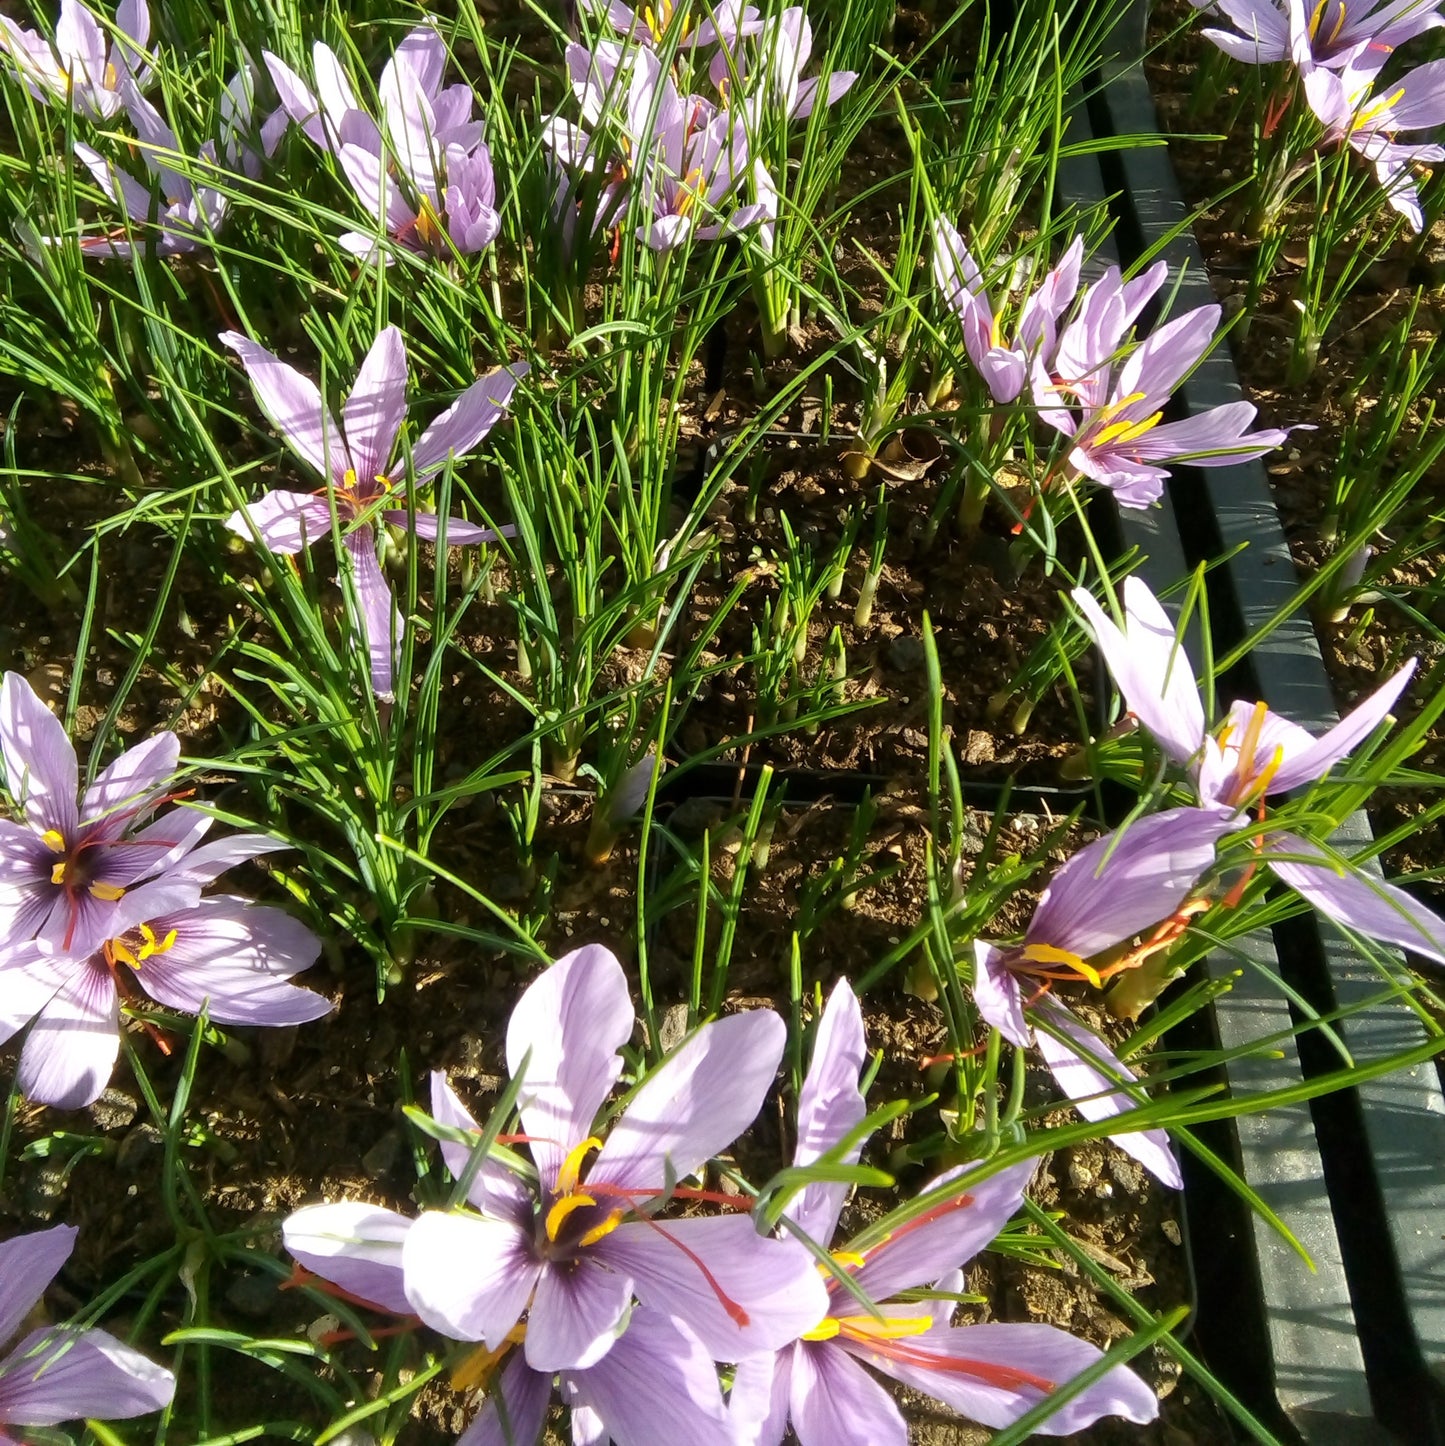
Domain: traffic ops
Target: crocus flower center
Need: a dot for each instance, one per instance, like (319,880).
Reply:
(563,1238)
(1251,778)
(71,871)
(1365,118)
(135,947)
(1318,16)
(1109,432)
(657,20)
(687,192)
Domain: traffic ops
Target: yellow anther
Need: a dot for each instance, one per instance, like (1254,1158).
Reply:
(54,840)
(1125,431)
(1318,15)
(561,1209)
(477,1367)
(1366,116)
(1249,744)
(119,950)
(57,874)
(687,191)
(571,1168)
(1048,954)
(825,1330)
(428,223)
(106,893)
(598,1232)
(849,1257)
(1339,24)
(890,1328)
(348,482)
(151,945)
(112,80)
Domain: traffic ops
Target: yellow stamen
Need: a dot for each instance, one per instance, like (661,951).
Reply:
(1339,24)
(1048,954)
(1318,15)
(1366,116)
(428,223)
(54,840)
(477,1368)
(348,482)
(57,874)
(890,1328)
(1125,431)
(112,80)
(561,1209)
(825,1330)
(1249,744)
(118,950)
(687,192)
(571,1168)
(107,893)
(598,1232)
(849,1257)
(151,945)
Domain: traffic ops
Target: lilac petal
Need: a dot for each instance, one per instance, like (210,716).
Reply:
(1165,357)
(40,765)
(1134,484)
(835,1402)
(376,408)
(946,1236)
(210,861)
(758,1400)
(128,779)
(1126,881)
(69,1054)
(666,233)
(297,100)
(233,958)
(655,1387)
(381,622)
(121,188)
(29,980)
(294,407)
(427,525)
(88,1373)
(1347,734)
(80,42)
(338,100)
(1421,105)
(999,1392)
(1094,1093)
(286,522)
(525,1395)
(154,849)
(568,1028)
(458,429)
(1150,668)
(1214,438)
(468,1276)
(354,1245)
(830,1106)
(577,1314)
(696,1104)
(996,993)
(739,1292)
(28,1264)
(1367,905)
(494,1190)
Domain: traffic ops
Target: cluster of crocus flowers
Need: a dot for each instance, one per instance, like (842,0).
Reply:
(56,1374)
(423,174)
(102,901)
(364,473)
(1332,33)
(1252,755)
(82,67)
(1085,380)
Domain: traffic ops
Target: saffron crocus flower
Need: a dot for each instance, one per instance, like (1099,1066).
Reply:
(1112,889)
(1332,33)
(62,1374)
(358,464)
(572,1255)
(1353,114)
(769,70)
(706,24)
(1256,753)
(78,69)
(990,1373)
(1003,367)
(227,955)
(66,868)
(1117,438)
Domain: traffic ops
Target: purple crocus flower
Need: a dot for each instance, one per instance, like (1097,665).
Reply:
(62,1374)
(1256,753)
(1353,114)
(1117,438)
(228,956)
(77,69)
(1004,368)
(770,70)
(1108,892)
(358,464)
(722,22)
(66,869)
(990,1373)
(1332,33)
(572,1254)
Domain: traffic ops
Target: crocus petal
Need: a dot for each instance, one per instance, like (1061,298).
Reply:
(1164,358)
(576,1316)
(297,100)
(525,1395)
(697,1103)
(210,861)
(937,1363)
(1367,905)
(88,1373)
(382,624)
(286,522)
(1213,438)
(28,1264)
(494,1190)
(738,1292)
(467,1276)
(565,1033)
(655,1387)
(835,1402)
(69,1054)
(354,1245)
(233,958)
(40,765)
(121,188)
(996,993)
(1126,881)
(830,1106)
(1095,1094)
(376,408)
(294,407)
(138,771)
(946,1236)
(1149,667)
(427,525)
(758,1400)
(458,429)
(1347,734)
(29,980)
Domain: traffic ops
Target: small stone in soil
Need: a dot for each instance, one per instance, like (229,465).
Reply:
(253,1296)
(381,1159)
(114,1110)
(905,653)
